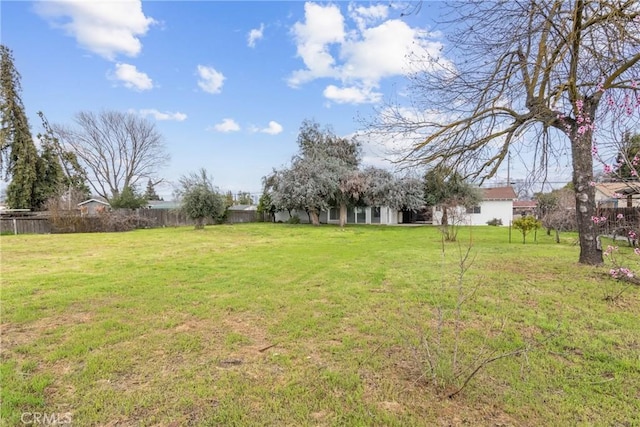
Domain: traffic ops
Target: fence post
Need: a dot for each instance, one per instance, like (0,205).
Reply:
(15,226)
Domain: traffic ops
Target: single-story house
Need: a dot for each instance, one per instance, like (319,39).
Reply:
(93,206)
(497,203)
(618,194)
(355,215)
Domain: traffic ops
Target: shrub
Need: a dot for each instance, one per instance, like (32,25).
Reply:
(293,220)
(495,222)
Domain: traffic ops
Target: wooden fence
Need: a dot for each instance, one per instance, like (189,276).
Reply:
(630,218)
(119,220)
(25,225)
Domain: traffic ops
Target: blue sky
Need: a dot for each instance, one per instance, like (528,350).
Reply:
(227,83)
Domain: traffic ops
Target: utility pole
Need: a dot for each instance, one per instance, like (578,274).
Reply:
(509,169)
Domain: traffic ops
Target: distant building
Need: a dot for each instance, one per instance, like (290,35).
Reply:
(497,203)
(524,208)
(94,206)
(618,195)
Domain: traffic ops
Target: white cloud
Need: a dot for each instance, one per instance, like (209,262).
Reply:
(227,125)
(160,115)
(108,28)
(274,128)
(323,26)
(210,80)
(131,78)
(367,16)
(255,35)
(360,57)
(351,95)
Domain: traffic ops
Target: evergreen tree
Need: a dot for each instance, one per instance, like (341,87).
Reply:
(150,193)
(50,176)
(18,154)
(73,175)
(129,198)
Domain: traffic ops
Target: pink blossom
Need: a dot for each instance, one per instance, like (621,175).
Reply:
(636,251)
(592,183)
(626,272)
(607,169)
(632,234)
(620,216)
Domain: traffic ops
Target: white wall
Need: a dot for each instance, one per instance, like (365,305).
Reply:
(388,216)
(489,209)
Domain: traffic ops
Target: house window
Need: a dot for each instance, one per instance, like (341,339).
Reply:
(473,210)
(361,216)
(351,216)
(375,215)
(334,214)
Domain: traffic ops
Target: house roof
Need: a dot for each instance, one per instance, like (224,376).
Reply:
(243,208)
(163,204)
(525,203)
(499,193)
(93,200)
(610,189)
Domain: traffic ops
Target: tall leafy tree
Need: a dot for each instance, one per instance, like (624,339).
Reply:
(447,189)
(534,76)
(385,189)
(321,174)
(325,173)
(75,176)
(18,154)
(50,175)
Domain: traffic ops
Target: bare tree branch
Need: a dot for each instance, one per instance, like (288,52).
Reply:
(117,149)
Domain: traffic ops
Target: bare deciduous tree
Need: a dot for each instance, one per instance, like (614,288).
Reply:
(559,215)
(116,149)
(529,76)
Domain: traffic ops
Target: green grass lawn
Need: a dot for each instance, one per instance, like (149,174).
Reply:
(274,324)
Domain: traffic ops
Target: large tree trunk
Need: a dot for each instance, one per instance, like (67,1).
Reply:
(343,214)
(313,217)
(199,223)
(590,247)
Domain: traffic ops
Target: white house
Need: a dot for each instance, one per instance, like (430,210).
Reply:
(356,215)
(497,203)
